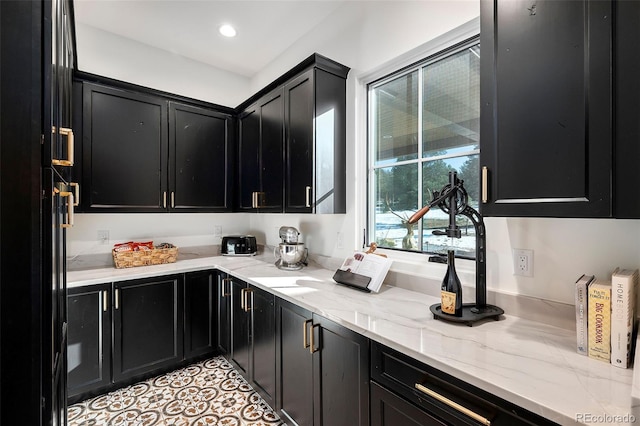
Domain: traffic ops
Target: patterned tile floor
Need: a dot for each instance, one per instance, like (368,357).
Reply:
(209,393)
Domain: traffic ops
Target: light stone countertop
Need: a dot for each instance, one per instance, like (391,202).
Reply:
(527,363)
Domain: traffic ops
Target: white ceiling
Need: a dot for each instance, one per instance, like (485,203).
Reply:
(190,28)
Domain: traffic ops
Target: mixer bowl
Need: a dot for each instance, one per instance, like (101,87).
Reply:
(292,253)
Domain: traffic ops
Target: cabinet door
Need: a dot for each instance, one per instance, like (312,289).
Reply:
(248,158)
(200,314)
(263,343)
(545,95)
(388,409)
(147,324)
(299,141)
(200,159)
(272,152)
(294,364)
(125,146)
(315,135)
(627,109)
(224,313)
(88,338)
(239,327)
(340,367)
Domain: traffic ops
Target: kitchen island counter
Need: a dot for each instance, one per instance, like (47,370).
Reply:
(527,363)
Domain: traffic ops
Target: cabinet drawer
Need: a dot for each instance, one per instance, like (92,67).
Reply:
(442,395)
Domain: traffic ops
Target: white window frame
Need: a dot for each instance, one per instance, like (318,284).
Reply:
(456,36)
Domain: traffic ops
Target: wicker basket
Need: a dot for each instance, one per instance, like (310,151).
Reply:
(130,259)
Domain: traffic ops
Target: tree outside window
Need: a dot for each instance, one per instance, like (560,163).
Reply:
(423,123)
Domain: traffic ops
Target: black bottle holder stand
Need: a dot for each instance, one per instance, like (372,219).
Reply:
(470,313)
(478,311)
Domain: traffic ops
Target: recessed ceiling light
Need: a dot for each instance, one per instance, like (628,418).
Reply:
(227,30)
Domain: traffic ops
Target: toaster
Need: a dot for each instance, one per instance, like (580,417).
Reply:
(239,245)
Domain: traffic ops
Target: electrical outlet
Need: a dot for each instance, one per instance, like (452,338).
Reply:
(339,241)
(103,236)
(217,231)
(523,262)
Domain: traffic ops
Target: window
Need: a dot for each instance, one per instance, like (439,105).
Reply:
(423,121)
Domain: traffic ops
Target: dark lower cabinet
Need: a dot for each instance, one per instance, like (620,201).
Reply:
(223,286)
(147,325)
(157,324)
(388,409)
(263,343)
(240,320)
(88,339)
(408,392)
(200,314)
(253,344)
(294,400)
(322,370)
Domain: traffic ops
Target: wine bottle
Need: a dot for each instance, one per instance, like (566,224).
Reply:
(451,290)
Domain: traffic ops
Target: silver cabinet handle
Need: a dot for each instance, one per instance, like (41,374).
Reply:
(485,184)
(464,410)
(105,301)
(308,197)
(173,199)
(117,297)
(164,199)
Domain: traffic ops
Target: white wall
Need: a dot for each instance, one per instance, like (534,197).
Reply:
(110,55)
(365,35)
(181,229)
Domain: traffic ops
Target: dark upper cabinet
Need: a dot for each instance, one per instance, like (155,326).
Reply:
(147,325)
(315,134)
(200,314)
(200,147)
(261,145)
(88,338)
(318,363)
(144,153)
(627,109)
(125,147)
(546,122)
(292,142)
